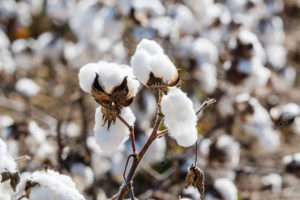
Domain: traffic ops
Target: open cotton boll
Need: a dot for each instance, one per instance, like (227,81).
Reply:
(276,56)
(7,163)
(150,46)
(231,148)
(110,76)
(149,57)
(82,175)
(272,180)
(87,75)
(226,188)
(180,117)
(140,64)
(162,67)
(27,87)
(204,50)
(52,186)
(207,75)
(109,140)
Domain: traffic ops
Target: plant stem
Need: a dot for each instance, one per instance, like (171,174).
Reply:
(127,184)
(131,129)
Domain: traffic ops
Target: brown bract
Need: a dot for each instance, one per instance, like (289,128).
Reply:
(155,82)
(112,102)
(195,177)
(13,177)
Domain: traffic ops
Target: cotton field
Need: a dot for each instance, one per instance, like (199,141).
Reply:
(149,99)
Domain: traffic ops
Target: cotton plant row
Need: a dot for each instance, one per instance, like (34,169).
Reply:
(114,87)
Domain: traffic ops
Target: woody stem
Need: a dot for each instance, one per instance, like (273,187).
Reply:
(131,130)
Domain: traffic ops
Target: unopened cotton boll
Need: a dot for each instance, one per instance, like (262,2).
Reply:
(27,87)
(109,140)
(51,185)
(149,58)
(180,117)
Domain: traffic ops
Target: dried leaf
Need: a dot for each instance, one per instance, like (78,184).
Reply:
(195,177)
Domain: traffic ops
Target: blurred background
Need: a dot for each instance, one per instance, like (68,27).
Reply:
(243,53)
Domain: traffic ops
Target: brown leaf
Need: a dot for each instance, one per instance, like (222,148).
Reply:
(195,177)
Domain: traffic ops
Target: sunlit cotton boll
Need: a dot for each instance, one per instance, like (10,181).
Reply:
(226,188)
(110,76)
(52,186)
(272,180)
(180,117)
(27,87)
(7,163)
(110,139)
(149,57)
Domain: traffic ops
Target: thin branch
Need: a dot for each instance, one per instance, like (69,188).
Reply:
(126,186)
(131,130)
(205,104)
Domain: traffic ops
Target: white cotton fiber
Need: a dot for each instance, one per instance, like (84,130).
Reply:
(7,163)
(110,76)
(52,186)
(27,87)
(149,57)
(226,188)
(87,75)
(180,117)
(162,66)
(140,65)
(109,140)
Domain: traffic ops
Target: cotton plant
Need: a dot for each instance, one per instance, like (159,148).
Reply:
(47,184)
(115,86)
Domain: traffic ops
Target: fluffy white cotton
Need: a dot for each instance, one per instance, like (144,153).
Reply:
(87,75)
(288,159)
(226,188)
(82,175)
(207,75)
(27,87)
(52,186)
(205,51)
(276,56)
(110,140)
(231,148)
(272,180)
(110,76)
(260,125)
(7,163)
(180,117)
(149,57)
(155,7)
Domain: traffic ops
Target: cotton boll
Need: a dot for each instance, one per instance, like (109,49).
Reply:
(276,56)
(7,63)
(27,87)
(205,51)
(155,7)
(87,75)
(149,57)
(162,67)
(59,10)
(52,186)
(82,175)
(164,25)
(272,180)
(140,64)
(185,19)
(226,188)
(180,117)
(292,163)
(4,40)
(7,163)
(109,140)
(231,149)
(261,126)
(150,46)
(207,75)
(37,132)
